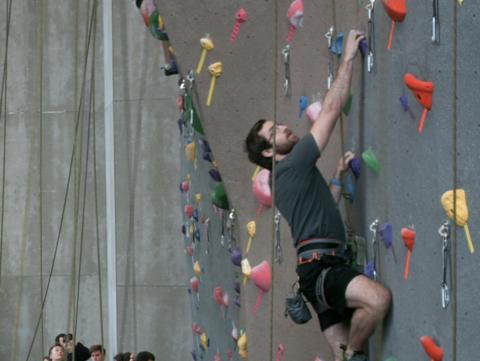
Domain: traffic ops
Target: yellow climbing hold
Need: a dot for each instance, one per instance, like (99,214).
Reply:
(242,346)
(204,342)
(198,198)
(215,71)
(197,269)
(207,44)
(246,270)
(461,216)
(251,230)
(255,172)
(190,150)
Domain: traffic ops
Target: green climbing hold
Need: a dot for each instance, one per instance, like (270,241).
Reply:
(348,105)
(157,27)
(219,197)
(371,160)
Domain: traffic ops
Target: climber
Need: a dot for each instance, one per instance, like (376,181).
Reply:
(349,305)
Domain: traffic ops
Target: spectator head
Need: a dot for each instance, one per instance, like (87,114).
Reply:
(97,352)
(118,356)
(66,340)
(56,352)
(46,358)
(145,356)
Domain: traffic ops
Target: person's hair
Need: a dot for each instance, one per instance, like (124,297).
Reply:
(126,356)
(66,337)
(46,358)
(94,348)
(145,356)
(118,357)
(52,347)
(255,144)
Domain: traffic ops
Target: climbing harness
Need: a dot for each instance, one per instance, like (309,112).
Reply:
(286,62)
(371,35)
(444,232)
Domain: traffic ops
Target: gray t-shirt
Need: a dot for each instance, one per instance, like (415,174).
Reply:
(303,196)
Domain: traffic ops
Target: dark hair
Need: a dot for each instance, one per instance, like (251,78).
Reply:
(52,347)
(118,357)
(255,144)
(145,356)
(46,358)
(94,348)
(66,337)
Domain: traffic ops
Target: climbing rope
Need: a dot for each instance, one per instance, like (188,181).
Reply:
(64,206)
(3,105)
(274,150)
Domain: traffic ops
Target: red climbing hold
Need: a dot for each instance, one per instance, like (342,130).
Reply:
(423,91)
(396,10)
(408,236)
(432,350)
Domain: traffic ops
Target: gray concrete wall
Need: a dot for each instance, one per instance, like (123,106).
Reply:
(151,284)
(415,169)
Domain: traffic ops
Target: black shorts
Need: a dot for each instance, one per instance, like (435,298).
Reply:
(335,285)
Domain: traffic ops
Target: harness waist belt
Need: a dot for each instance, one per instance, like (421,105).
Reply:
(320,247)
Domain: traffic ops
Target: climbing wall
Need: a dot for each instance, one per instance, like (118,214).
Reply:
(414,169)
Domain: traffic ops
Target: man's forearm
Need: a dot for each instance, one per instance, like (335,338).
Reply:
(337,96)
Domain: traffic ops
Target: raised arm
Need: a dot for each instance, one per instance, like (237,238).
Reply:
(337,96)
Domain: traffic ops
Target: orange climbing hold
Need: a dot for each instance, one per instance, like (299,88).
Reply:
(423,91)
(397,11)
(432,350)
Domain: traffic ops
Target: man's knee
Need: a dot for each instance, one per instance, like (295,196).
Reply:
(381,303)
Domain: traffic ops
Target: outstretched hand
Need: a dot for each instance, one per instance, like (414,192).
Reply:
(351,47)
(344,160)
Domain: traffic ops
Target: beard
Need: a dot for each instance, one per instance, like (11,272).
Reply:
(287,147)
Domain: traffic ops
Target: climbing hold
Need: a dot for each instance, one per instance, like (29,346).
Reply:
(280,352)
(313,110)
(234,332)
(461,217)
(190,150)
(207,44)
(197,269)
(194,284)
(261,189)
(196,329)
(423,91)
(147,7)
(184,186)
(363,47)
(196,235)
(240,17)
(355,166)
(397,11)
(261,276)
(215,175)
(431,349)
(349,188)
(198,198)
(236,286)
(371,160)
(157,26)
(230,354)
(242,345)
(337,45)
(295,17)
(408,236)
(204,341)
(236,256)
(226,299)
(386,235)
(217,356)
(251,230)
(215,71)
(302,105)
(369,270)
(188,209)
(219,197)
(194,355)
(348,105)
(404,102)
(218,295)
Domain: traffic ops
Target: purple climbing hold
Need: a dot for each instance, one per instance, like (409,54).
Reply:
(196,235)
(363,46)
(369,270)
(194,355)
(237,300)
(355,166)
(236,286)
(184,229)
(195,215)
(236,256)
(386,234)
(215,174)
(180,125)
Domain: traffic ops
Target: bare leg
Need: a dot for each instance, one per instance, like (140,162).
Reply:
(337,335)
(371,302)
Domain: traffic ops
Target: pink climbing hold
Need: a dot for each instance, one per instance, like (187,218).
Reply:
(280,352)
(261,189)
(194,284)
(240,16)
(218,295)
(188,210)
(261,276)
(196,329)
(295,17)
